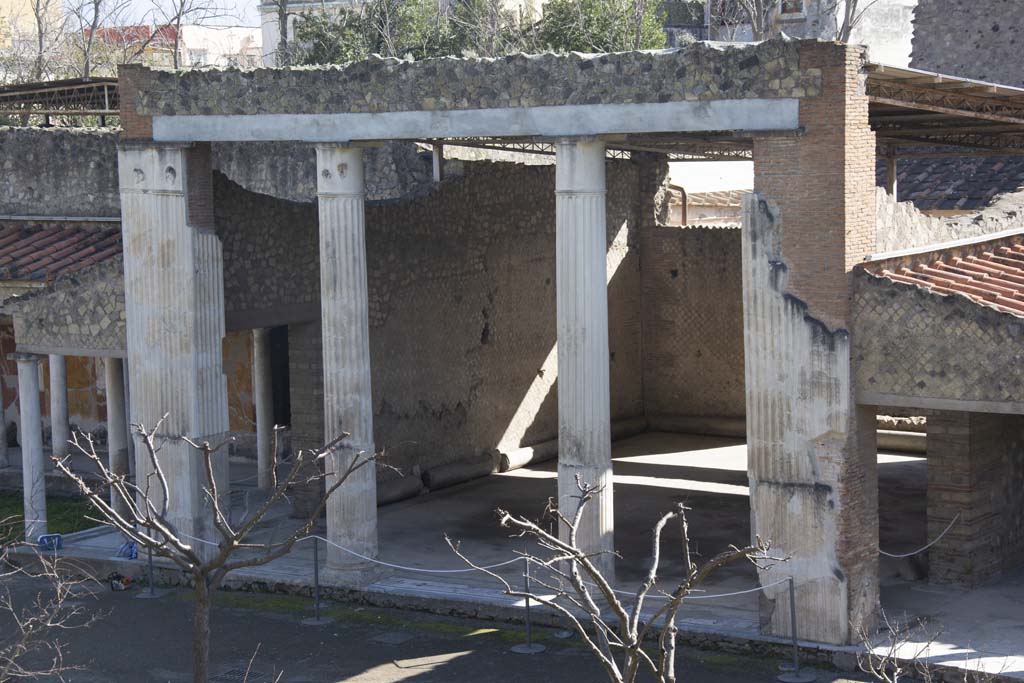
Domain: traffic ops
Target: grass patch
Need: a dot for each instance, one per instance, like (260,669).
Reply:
(375,616)
(64,515)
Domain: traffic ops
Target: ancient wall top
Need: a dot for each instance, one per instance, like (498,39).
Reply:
(700,72)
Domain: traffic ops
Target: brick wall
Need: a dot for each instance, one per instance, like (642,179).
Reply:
(975,465)
(305,371)
(693,321)
(828,208)
(133,79)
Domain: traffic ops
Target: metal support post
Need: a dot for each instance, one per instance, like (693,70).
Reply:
(317,620)
(529,647)
(793,674)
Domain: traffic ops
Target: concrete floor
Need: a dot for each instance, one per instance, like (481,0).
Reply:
(654,471)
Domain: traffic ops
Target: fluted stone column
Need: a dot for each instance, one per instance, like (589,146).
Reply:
(4,458)
(31,436)
(174,302)
(117,425)
(584,422)
(263,394)
(348,406)
(60,426)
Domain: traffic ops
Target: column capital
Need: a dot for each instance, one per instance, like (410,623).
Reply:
(22,357)
(339,171)
(152,168)
(579,166)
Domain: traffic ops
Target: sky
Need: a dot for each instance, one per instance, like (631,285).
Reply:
(242,12)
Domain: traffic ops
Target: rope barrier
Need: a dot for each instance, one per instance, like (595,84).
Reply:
(374,561)
(410,569)
(423,570)
(921,550)
(755,589)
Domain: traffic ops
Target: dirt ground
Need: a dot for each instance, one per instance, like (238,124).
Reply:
(150,641)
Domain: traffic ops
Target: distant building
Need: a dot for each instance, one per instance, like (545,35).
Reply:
(153,45)
(197,46)
(221,46)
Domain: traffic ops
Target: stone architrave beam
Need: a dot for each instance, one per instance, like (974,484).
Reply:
(754,114)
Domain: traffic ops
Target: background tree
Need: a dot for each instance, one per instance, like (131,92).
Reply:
(601,25)
(140,511)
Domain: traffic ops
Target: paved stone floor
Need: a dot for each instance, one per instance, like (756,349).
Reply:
(652,472)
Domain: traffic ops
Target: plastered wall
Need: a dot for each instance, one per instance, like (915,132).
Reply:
(462,306)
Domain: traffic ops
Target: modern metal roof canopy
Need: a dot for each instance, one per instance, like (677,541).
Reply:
(916,111)
(69,97)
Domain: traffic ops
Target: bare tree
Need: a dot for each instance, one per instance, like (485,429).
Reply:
(758,14)
(173,14)
(95,22)
(574,588)
(35,620)
(48,16)
(283,54)
(726,17)
(142,513)
(903,654)
(853,13)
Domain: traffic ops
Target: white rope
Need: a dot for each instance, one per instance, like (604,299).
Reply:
(410,569)
(383,564)
(729,595)
(755,589)
(519,559)
(921,550)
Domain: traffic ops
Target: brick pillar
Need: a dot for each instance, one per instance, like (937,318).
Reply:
(975,466)
(812,469)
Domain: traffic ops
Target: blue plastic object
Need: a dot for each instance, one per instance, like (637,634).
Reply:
(51,541)
(128,549)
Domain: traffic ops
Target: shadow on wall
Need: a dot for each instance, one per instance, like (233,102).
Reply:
(462,306)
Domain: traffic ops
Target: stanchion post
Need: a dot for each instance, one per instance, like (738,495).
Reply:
(317,620)
(795,675)
(316,578)
(152,592)
(530,647)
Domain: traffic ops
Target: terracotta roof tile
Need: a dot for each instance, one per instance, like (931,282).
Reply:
(32,253)
(955,183)
(993,278)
